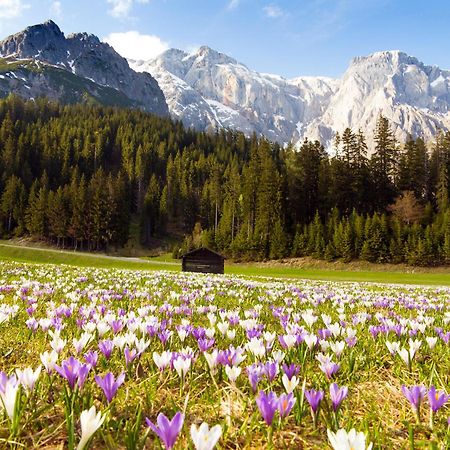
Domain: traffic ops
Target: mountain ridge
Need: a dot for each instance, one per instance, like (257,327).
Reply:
(83,55)
(209,94)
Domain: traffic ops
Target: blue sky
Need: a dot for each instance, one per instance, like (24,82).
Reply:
(286,37)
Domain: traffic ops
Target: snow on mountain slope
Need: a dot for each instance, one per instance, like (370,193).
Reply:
(414,97)
(208,89)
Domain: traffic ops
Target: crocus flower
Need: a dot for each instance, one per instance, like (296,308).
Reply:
(291,370)
(91,421)
(182,366)
(91,358)
(343,440)
(267,404)
(289,384)
(27,378)
(162,360)
(329,368)
(285,404)
(73,371)
(49,360)
(337,395)
(106,347)
(109,384)
(314,398)
(167,430)
(415,395)
(205,438)
(130,355)
(9,394)
(437,399)
(232,372)
(271,370)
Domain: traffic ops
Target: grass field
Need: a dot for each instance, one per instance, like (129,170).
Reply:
(432,277)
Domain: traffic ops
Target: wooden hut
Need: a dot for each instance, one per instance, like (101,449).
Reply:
(203,260)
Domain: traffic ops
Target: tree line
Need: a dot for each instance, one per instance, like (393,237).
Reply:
(81,175)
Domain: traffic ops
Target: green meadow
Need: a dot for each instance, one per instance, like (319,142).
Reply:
(430,277)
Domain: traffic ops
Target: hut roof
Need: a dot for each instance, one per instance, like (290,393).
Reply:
(203,250)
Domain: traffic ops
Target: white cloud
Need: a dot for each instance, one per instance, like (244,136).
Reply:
(9,9)
(135,45)
(121,8)
(233,4)
(273,11)
(56,9)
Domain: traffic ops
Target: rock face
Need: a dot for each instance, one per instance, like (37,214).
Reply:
(85,57)
(209,89)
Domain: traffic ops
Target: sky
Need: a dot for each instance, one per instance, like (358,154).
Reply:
(286,37)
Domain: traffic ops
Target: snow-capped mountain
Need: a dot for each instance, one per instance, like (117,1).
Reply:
(40,60)
(209,89)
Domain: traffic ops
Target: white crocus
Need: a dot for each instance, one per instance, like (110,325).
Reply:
(431,341)
(182,366)
(27,377)
(256,346)
(414,345)
(231,334)
(102,328)
(352,440)
(289,384)
(162,360)
(91,421)
(58,344)
(223,327)
(233,372)
(49,359)
(311,340)
(404,354)
(211,359)
(205,438)
(337,347)
(289,340)
(9,396)
(278,356)
(393,347)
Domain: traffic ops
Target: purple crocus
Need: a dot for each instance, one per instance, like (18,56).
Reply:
(167,430)
(329,368)
(437,399)
(109,384)
(91,358)
(415,395)
(254,376)
(205,344)
(314,398)
(271,370)
(291,370)
(73,371)
(116,326)
(267,404)
(337,395)
(285,404)
(130,355)
(106,347)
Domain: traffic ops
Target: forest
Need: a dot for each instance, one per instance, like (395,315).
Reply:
(79,176)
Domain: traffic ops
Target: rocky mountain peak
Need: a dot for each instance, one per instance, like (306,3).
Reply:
(35,41)
(86,56)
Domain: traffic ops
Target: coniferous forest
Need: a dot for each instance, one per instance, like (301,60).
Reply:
(78,176)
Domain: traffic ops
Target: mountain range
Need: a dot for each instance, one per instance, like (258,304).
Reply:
(207,89)
(41,61)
